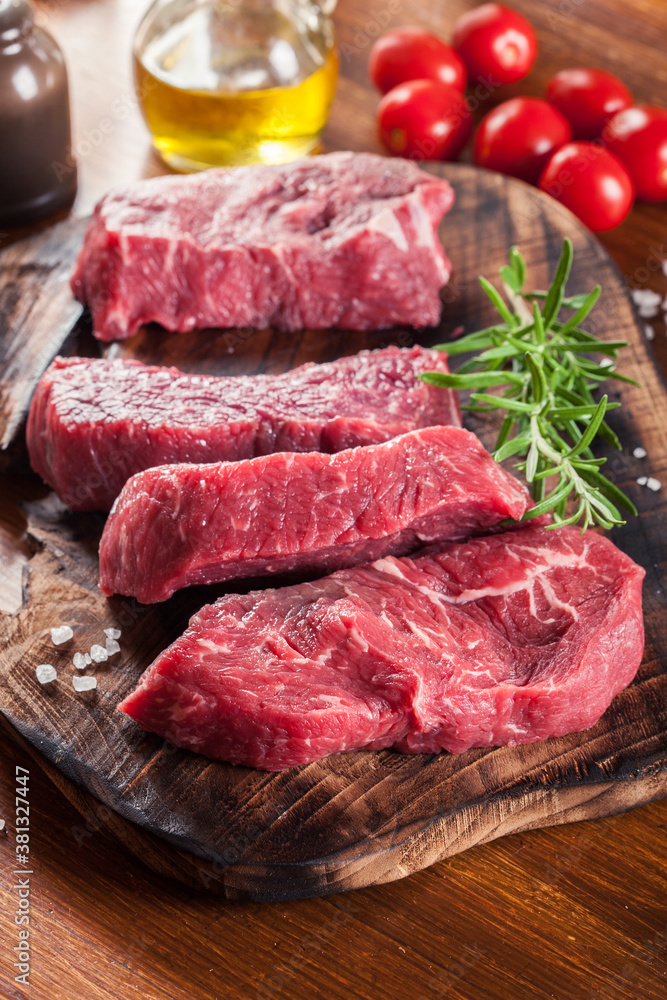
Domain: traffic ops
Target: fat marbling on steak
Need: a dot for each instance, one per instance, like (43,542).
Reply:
(344,241)
(93,423)
(498,640)
(178,525)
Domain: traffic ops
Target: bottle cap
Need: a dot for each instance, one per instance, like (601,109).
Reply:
(16,19)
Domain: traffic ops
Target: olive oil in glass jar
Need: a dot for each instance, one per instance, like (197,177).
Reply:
(229,82)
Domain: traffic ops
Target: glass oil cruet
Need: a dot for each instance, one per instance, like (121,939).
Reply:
(229,82)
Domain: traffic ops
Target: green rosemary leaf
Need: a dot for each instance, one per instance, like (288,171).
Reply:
(512,447)
(503,403)
(511,278)
(591,430)
(471,342)
(548,379)
(583,311)
(554,299)
(477,380)
(538,380)
(611,491)
(621,378)
(577,412)
(562,493)
(498,302)
(505,431)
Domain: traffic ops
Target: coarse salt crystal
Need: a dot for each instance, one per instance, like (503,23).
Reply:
(607,363)
(98,654)
(112,633)
(84,683)
(112,647)
(46,673)
(2,824)
(664,267)
(87,658)
(639,452)
(650,482)
(645,297)
(79,661)
(648,311)
(61,634)
(649,332)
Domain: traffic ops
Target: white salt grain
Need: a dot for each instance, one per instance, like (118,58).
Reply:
(79,661)
(98,654)
(2,825)
(84,683)
(664,267)
(648,311)
(112,633)
(645,297)
(650,482)
(649,332)
(46,673)
(607,363)
(112,647)
(639,452)
(87,658)
(61,634)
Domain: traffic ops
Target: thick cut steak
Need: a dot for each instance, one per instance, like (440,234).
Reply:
(499,640)
(344,241)
(179,525)
(94,423)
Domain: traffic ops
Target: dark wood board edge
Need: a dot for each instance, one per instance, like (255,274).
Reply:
(440,839)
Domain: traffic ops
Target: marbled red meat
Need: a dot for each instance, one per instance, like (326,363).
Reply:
(498,640)
(94,423)
(179,525)
(342,241)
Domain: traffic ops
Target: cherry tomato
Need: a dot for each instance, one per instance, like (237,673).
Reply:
(519,136)
(591,182)
(638,136)
(588,98)
(424,120)
(496,43)
(412,54)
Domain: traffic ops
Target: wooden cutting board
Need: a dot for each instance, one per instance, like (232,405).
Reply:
(350,820)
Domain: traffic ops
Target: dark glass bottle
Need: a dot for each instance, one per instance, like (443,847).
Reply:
(37,172)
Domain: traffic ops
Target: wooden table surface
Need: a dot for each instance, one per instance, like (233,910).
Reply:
(571,913)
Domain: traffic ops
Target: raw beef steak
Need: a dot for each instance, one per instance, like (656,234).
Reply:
(179,525)
(345,241)
(498,640)
(95,423)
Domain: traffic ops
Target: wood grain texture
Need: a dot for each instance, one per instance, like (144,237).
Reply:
(352,819)
(37,315)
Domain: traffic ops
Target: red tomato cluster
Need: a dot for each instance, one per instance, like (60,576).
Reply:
(585,143)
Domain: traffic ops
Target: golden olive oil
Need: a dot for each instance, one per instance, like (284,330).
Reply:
(220,94)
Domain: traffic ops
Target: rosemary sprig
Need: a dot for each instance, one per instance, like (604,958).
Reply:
(552,418)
